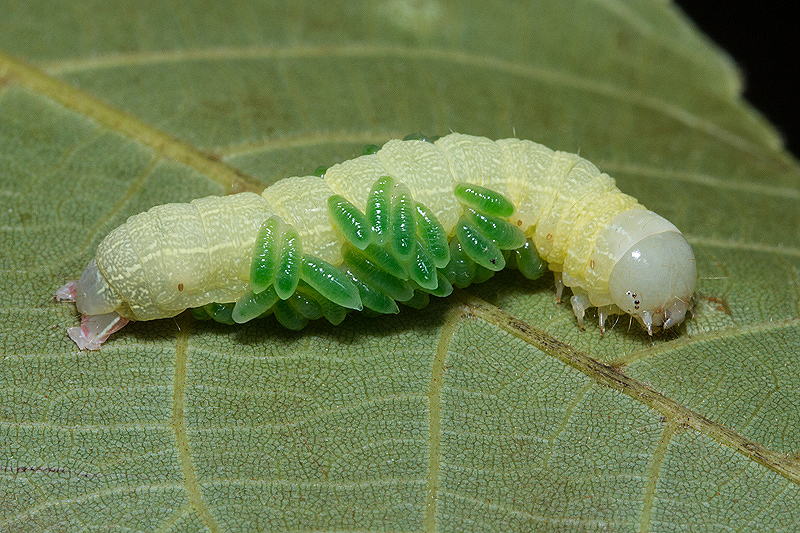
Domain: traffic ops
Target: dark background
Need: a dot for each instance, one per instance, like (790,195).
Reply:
(764,40)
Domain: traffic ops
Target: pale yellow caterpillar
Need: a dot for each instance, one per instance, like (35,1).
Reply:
(412,218)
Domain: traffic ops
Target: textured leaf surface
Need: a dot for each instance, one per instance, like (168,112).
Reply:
(487,411)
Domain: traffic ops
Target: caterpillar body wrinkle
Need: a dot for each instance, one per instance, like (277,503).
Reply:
(407,220)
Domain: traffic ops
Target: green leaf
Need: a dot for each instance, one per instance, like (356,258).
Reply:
(488,410)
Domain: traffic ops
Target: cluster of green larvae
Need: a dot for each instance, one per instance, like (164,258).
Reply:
(397,251)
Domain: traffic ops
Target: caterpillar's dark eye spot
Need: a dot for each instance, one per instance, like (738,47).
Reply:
(180,286)
(493,261)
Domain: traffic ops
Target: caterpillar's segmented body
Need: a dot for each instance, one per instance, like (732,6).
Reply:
(409,219)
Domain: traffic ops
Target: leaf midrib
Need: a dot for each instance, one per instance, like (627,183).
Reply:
(231,178)
(612,377)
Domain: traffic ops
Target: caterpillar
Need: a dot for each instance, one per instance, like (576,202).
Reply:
(413,218)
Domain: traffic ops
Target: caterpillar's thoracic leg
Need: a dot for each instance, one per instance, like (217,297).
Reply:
(580,303)
(602,315)
(559,286)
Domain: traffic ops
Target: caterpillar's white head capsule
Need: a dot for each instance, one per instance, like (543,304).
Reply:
(654,279)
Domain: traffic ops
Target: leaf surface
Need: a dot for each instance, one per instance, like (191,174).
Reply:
(486,411)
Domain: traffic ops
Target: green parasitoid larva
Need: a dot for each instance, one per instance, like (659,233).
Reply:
(410,219)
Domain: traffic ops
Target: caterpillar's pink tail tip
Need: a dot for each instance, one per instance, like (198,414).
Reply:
(67,292)
(94,329)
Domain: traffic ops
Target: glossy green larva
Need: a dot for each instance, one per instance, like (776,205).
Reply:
(407,220)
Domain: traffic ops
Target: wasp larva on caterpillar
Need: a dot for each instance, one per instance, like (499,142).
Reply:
(407,220)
